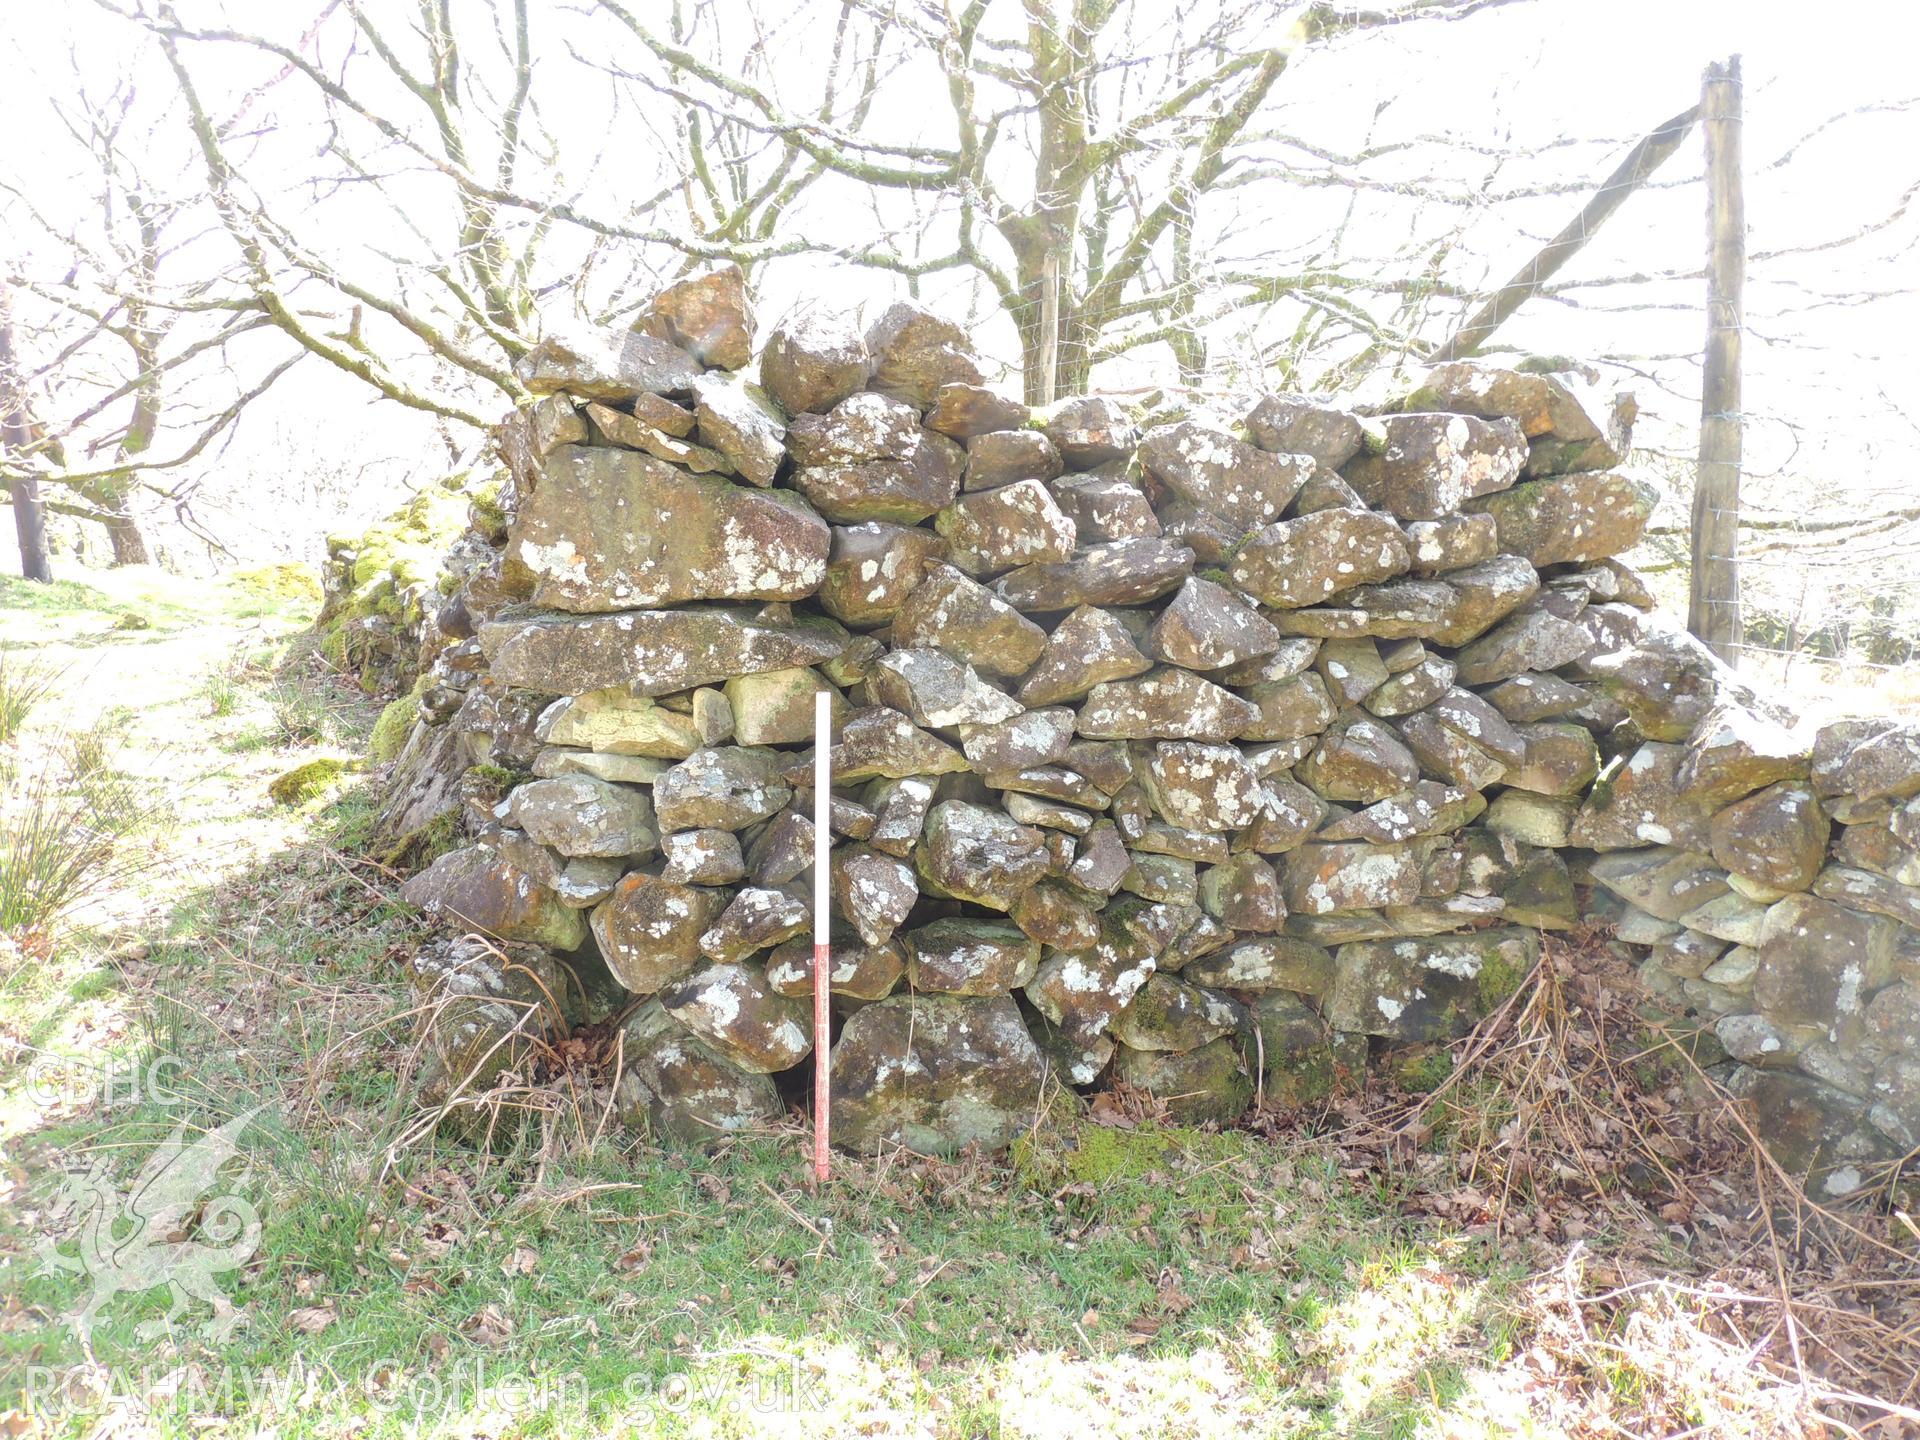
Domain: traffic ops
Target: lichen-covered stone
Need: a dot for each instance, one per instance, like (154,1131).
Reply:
(971,853)
(869,459)
(1089,430)
(1560,759)
(1125,572)
(1301,562)
(1207,627)
(732,1008)
(653,652)
(1202,786)
(740,422)
(938,690)
(723,789)
(877,742)
(649,929)
(1532,819)
(1485,594)
(1820,962)
(872,568)
(1081,991)
(1637,801)
(1530,640)
(1167,704)
(579,815)
(483,1007)
(618,530)
(1025,741)
(1105,508)
(1288,709)
(1413,689)
(682,1089)
(1736,750)
(1424,808)
(950,611)
(1169,1014)
(1058,915)
(1359,759)
(1453,543)
(702,857)
(1428,989)
(1432,464)
(855,969)
(1579,518)
(873,891)
(1088,647)
(1300,425)
(991,531)
(1320,879)
(935,1073)
(814,364)
(757,918)
(963,956)
(1776,837)
(1244,486)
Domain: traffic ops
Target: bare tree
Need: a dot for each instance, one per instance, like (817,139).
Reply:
(1061,155)
(110,348)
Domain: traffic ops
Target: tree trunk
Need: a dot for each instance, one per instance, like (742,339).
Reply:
(123,531)
(29,521)
(129,544)
(1713,602)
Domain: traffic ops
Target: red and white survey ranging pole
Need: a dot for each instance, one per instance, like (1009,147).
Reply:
(822,962)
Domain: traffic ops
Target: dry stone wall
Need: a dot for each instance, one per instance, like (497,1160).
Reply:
(1169,751)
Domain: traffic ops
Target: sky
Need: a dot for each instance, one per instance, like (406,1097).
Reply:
(1827,383)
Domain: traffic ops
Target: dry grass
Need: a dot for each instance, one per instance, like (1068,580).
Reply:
(1684,1283)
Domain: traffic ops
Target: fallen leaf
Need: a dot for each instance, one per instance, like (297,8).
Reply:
(489,1327)
(312,1319)
(524,1261)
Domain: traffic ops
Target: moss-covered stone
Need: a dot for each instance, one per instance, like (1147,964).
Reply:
(382,585)
(424,844)
(306,782)
(288,582)
(390,731)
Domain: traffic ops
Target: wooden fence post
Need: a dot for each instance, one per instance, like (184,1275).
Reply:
(1713,602)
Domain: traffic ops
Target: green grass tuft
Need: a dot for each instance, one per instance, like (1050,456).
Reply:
(24,683)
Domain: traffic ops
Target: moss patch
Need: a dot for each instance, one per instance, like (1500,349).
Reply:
(1499,978)
(287,582)
(1301,1078)
(306,782)
(1423,1071)
(423,844)
(395,724)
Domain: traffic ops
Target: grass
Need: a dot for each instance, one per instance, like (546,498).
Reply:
(25,681)
(1390,1265)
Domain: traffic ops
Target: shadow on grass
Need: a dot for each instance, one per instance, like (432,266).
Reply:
(1197,1283)
(1098,1282)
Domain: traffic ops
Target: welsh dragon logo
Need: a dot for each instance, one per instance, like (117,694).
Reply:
(165,1229)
